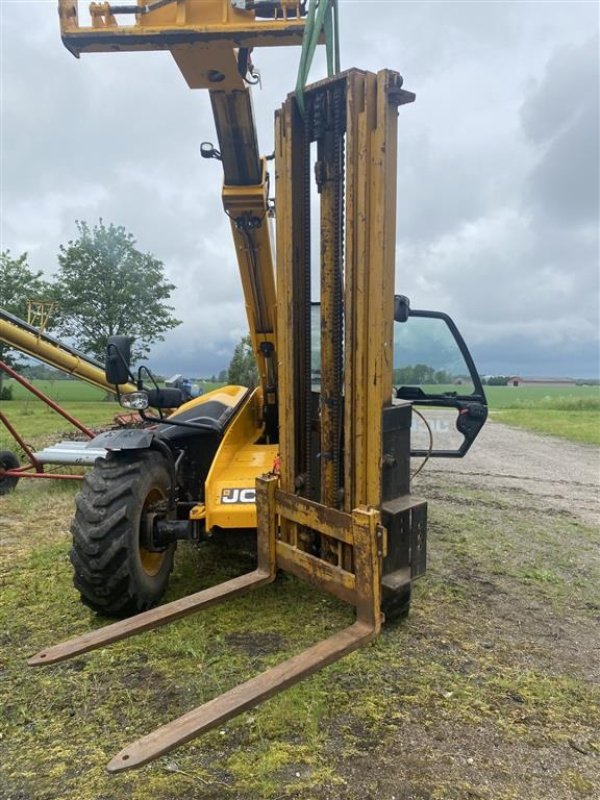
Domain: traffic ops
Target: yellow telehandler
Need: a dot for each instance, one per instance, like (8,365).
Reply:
(317,457)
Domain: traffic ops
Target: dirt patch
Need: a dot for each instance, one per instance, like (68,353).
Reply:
(255,644)
(463,763)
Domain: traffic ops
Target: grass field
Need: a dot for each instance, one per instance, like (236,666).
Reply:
(34,419)
(578,426)
(69,390)
(571,398)
(571,413)
(72,391)
(486,691)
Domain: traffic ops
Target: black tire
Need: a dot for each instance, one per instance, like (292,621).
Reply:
(113,572)
(8,460)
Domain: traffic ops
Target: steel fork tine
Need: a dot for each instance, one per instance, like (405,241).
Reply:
(242,697)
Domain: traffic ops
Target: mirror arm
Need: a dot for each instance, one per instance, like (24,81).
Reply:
(472,408)
(443,453)
(140,385)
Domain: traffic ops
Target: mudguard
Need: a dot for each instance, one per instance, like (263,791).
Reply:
(128,439)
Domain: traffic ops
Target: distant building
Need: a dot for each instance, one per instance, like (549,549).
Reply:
(517,380)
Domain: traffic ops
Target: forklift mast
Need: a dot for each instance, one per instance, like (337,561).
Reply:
(339,514)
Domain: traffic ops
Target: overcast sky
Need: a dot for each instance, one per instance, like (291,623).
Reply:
(497,183)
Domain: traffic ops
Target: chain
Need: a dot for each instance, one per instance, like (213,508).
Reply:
(306,262)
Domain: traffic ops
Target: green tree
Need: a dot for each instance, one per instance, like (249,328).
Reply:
(106,286)
(418,374)
(18,284)
(441,376)
(242,368)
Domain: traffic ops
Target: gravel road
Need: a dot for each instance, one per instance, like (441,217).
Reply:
(538,470)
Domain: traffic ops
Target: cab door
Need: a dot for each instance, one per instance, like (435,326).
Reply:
(435,371)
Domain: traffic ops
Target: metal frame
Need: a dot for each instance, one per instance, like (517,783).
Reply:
(26,470)
(478,393)
(474,405)
(39,312)
(176,25)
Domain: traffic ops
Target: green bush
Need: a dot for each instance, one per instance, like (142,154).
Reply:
(6,393)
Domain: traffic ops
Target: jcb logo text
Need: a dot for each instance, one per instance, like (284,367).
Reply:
(232,496)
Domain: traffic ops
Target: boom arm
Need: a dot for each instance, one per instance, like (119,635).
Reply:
(211,43)
(245,200)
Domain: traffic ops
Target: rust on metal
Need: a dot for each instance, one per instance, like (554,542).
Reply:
(149,619)
(330,521)
(47,400)
(325,576)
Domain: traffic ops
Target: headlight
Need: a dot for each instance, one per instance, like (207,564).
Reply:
(138,401)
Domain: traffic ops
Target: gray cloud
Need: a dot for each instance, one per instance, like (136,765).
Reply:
(515,256)
(561,117)
(497,200)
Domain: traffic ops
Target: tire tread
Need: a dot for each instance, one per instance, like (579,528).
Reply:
(106,570)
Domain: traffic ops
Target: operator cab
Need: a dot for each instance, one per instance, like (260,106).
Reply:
(210,416)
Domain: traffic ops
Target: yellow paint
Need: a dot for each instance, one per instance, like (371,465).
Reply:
(230,396)
(198,512)
(216,25)
(152,561)
(237,464)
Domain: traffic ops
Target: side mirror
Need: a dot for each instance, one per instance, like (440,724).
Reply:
(401,308)
(118,357)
